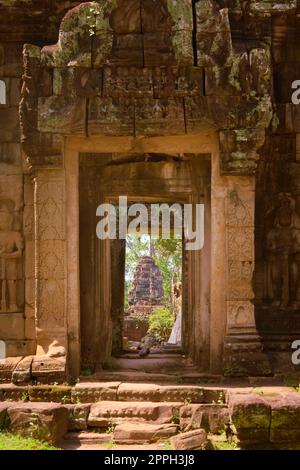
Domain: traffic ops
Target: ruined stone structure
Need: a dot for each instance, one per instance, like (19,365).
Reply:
(145,295)
(173,100)
(147,288)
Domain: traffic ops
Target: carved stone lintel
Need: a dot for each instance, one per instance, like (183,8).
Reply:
(142,81)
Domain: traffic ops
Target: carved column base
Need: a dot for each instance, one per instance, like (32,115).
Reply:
(244,355)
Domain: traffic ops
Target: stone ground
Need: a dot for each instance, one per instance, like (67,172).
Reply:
(96,415)
(160,402)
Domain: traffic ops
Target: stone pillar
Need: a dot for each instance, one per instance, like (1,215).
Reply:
(243,353)
(118,255)
(50,248)
(29,241)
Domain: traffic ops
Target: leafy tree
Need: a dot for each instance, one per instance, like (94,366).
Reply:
(168,257)
(161,323)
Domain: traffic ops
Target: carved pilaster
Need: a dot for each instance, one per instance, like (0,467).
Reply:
(240,252)
(50,277)
(243,353)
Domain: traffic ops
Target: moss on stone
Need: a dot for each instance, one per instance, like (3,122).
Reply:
(234,75)
(181,13)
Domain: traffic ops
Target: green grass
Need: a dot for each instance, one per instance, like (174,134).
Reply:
(225,445)
(14,442)
(166,445)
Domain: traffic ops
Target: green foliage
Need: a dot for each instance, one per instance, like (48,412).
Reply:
(110,445)
(160,323)
(222,443)
(168,257)
(11,442)
(176,417)
(166,445)
(111,427)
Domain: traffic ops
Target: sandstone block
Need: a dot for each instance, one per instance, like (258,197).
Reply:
(131,433)
(12,392)
(251,416)
(22,372)
(61,114)
(191,440)
(152,392)
(102,412)
(93,392)
(285,419)
(213,418)
(78,415)
(44,421)
(49,370)
(45,393)
(7,367)
(3,414)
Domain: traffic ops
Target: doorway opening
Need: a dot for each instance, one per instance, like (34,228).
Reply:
(153,294)
(110,291)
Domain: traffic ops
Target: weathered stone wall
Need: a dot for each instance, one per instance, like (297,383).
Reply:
(36,21)
(16,209)
(277,226)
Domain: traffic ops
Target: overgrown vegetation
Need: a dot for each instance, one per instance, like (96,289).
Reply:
(15,442)
(111,427)
(166,445)
(161,323)
(222,442)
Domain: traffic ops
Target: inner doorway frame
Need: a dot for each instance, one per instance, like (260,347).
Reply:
(205,142)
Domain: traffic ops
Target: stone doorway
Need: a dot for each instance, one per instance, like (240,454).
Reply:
(142,177)
(98,93)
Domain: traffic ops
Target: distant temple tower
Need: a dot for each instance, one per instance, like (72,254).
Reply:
(147,291)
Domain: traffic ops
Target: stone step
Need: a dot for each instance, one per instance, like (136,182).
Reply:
(77,439)
(91,392)
(106,413)
(139,433)
(152,355)
(112,446)
(148,364)
(191,440)
(170,351)
(177,377)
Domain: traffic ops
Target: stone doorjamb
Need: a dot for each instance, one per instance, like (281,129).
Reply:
(228,193)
